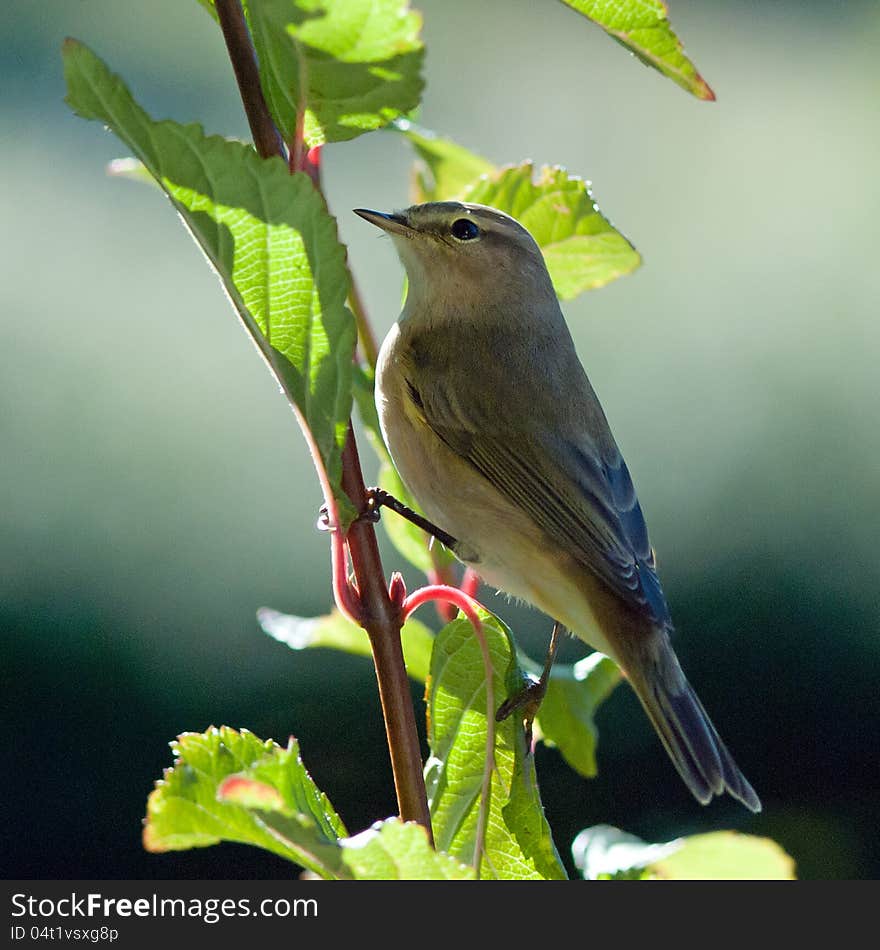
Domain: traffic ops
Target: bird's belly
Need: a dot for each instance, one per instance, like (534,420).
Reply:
(499,539)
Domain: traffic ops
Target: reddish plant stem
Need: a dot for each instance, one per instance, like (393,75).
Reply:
(310,163)
(441,574)
(470,608)
(470,582)
(382,619)
(267,139)
(380,616)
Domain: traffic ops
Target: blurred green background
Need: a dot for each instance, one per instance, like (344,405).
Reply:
(156,491)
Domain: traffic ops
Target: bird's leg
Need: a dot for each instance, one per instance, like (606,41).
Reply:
(529,698)
(378,498)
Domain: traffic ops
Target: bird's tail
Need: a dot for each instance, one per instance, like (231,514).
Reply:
(684,727)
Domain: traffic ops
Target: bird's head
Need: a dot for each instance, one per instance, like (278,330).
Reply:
(456,252)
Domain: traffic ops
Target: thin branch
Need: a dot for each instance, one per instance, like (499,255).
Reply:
(267,139)
(381,616)
(382,619)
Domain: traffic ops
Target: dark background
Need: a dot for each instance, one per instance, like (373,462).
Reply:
(156,491)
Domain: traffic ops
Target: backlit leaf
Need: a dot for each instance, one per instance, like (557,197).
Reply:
(642,26)
(518,840)
(338,67)
(270,239)
(583,250)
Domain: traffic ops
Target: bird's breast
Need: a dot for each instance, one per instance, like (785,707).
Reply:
(443,484)
(499,538)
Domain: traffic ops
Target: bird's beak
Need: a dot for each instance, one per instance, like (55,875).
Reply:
(392,223)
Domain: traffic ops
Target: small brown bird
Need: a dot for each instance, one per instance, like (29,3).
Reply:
(495,429)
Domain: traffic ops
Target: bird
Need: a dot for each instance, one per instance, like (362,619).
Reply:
(495,429)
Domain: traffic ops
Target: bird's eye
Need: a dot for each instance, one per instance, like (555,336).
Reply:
(464,229)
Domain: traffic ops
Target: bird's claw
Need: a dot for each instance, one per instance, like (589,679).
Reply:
(527,700)
(373,510)
(371,513)
(323,522)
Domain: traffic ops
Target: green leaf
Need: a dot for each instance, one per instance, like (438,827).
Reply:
(231,786)
(338,633)
(340,67)
(269,237)
(390,850)
(445,170)
(726,856)
(518,839)
(566,718)
(582,248)
(607,853)
(604,852)
(642,26)
(396,851)
(184,811)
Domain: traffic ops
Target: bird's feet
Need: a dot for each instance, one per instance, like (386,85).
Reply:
(378,498)
(529,698)
(527,701)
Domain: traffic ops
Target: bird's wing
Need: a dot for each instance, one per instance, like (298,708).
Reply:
(581,496)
